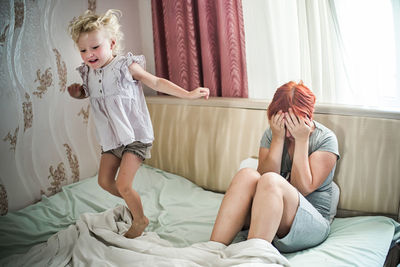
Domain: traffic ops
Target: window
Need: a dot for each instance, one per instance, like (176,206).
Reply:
(347,52)
(368,35)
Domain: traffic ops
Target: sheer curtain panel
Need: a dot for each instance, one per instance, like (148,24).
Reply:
(347,57)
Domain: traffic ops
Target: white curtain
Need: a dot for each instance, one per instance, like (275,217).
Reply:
(368,35)
(325,44)
(396,19)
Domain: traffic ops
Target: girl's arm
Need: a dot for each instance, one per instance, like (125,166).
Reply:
(308,172)
(76,91)
(269,160)
(165,86)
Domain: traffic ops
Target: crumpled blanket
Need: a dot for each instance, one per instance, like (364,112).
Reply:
(97,240)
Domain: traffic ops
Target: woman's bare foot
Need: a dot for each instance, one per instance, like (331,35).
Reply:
(137,228)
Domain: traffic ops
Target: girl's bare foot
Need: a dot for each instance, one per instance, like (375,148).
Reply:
(137,228)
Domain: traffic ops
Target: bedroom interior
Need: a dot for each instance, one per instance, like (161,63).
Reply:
(49,196)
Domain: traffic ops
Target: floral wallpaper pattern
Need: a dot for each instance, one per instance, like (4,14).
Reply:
(19,14)
(12,139)
(61,70)
(45,80)
(57,145)
(92,5)
(28,114)
(3,200)
(57,177)
(73,163)
(85,114)
(3,35)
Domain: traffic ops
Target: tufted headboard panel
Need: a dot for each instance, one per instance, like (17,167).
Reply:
(205,141)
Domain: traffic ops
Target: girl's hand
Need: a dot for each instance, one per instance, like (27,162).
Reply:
(199,92)
(75,90)
(299,128)
(277,124)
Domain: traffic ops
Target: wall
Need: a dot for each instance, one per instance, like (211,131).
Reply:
(205,141)
(46,137)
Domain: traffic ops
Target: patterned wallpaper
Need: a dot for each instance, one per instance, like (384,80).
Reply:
(47,138)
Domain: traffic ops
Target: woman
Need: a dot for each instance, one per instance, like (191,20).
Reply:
(291,199)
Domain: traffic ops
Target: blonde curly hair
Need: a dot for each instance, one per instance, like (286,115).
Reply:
(90,21)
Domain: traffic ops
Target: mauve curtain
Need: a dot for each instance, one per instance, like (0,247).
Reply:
(201,43)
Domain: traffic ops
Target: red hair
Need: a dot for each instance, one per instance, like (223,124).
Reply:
(293,95)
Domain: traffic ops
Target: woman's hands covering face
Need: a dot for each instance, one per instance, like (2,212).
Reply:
(277,124)
(299,127)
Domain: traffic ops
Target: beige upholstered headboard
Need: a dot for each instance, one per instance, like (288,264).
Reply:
(205,141)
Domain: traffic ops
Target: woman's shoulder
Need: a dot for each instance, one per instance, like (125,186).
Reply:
(323,138)
(322,129)
(268,132)
(322,134)
(266,137)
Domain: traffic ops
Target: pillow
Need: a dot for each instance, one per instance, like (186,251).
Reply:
(249,163)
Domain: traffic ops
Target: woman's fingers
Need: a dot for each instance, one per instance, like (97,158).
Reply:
(294,117)
(308,121)
(279,119)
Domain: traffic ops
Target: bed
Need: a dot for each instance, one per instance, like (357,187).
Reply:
(181,216)
(181,192)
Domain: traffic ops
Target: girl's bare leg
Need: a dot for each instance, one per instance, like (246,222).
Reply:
(109,165)
(274,207)
(130,163)
(235,206)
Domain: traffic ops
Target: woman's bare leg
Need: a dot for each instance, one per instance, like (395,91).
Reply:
(235,206)
(274,207)
(130,163)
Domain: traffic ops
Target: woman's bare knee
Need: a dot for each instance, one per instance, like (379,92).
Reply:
(246,177)
(274,182)
(270,181)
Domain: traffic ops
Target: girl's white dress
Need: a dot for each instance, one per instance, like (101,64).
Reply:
(117,102)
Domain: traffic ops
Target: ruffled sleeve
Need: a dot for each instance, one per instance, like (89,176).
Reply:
(140,59)
(123,68)
(84,72)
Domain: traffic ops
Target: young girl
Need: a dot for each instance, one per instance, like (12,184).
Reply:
(113,83)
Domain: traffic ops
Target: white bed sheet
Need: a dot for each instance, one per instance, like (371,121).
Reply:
(181,219)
